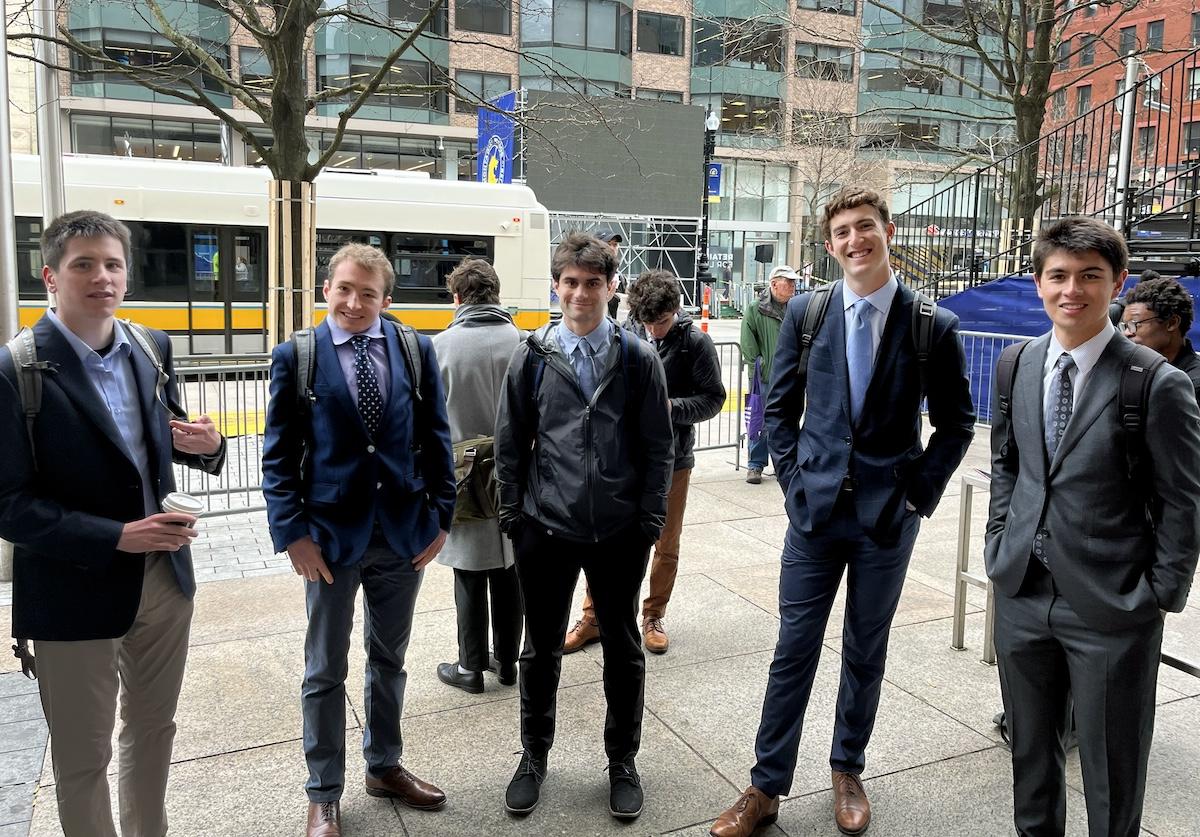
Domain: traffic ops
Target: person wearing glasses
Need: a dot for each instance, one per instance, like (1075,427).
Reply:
(1158,314)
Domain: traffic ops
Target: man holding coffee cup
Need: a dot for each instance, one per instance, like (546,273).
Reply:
(102,580)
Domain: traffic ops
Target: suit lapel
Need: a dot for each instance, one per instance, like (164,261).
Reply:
(329,374)
(397,371)
(1096,395)
(1027,418)
(70,376)
(893,332)
(835,326)
(146,377)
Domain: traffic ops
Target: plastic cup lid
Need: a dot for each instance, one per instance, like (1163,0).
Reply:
(177,501)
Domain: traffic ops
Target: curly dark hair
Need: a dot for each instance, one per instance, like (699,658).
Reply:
(1166,298)
(655,294)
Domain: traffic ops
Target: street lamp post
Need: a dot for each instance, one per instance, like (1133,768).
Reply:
(703,277)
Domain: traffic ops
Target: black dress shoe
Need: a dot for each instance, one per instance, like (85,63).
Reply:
(449,674)
(525,789)
(506,673)
(624,790)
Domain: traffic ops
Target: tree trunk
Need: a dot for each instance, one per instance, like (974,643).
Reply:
(1027,197)
(291,258)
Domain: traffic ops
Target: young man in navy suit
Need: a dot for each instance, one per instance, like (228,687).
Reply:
(102,581)
(856,480)
(360,492)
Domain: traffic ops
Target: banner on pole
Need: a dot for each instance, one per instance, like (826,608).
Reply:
(496,140)
(713,175)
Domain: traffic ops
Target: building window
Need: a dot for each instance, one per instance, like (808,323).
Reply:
(475,86)
(662,34)
(1195,28)
(1194,84)
(658,95)
(1058,107)
(597,25)
(814,127)
(745,115)
(1083,99)
(1079,147)
(406,14)
(1062,56)
(824,61)
(1154,35)
(340,70)
(172,66)
(1089,9)
(1191,138)
(494,16)
(575,86)
(1147,141)
(254,69)
(1087,51)
(1129,39)
(841,7)
(163,139)
(732,42)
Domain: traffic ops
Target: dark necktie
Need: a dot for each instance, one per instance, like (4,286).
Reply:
(1062,402)
(370,403)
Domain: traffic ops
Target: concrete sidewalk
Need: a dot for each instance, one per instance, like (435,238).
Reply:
(935,765)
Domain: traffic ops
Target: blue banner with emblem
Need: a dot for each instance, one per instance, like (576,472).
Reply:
(713,175)
(495,146)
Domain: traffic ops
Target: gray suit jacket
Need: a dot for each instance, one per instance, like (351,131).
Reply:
(1114,567)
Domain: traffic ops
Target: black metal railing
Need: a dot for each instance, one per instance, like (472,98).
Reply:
(1140,174)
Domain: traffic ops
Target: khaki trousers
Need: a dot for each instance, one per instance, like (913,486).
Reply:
(80,683)
(666,553)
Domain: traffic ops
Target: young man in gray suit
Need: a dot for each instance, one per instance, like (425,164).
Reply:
(1086,557)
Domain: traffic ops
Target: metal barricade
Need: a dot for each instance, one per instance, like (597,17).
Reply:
(725,430)
(983,351)
(235,397)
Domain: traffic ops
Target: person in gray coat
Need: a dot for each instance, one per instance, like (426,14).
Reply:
(473,356)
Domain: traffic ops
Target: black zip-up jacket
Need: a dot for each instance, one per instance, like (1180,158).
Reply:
(693,381)
(583,471)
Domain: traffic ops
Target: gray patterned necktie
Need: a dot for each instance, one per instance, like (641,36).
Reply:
(370,400)
(1062,398)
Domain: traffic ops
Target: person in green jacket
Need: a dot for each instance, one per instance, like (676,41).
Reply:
(760,330)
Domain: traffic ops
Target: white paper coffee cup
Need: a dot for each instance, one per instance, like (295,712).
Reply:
(177,501)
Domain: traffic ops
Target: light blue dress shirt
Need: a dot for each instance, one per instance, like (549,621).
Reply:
(378,352)
(877,314)
(598,340)
(112,376)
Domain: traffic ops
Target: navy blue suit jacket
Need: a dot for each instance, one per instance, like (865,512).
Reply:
(404,478)
(66,515)
(882,455)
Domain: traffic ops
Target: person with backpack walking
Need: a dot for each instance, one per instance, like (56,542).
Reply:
(760,333)
(1093,535)
(696,394)
(473,354)
(358,476)
(583,458)
(102,581)
(854,360)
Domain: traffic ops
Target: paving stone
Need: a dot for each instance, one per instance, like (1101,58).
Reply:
(19,767)
(16,805)
(15,683)
(20,707)
(22,735)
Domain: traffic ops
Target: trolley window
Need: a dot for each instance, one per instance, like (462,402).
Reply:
(29,259)
(422,263)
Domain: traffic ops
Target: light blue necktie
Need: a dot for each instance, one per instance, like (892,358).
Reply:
(859,356)
(584,361)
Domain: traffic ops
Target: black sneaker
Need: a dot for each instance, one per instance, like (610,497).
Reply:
(526,785)
(624,790)
(506,673)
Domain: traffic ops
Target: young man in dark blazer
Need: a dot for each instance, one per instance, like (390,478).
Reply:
(1086,557)
(856,480)
(102,581)
(360,492)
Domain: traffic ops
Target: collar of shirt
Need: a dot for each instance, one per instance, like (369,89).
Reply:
(597,338)
(1085,355)
(86,353)
(880,299)
(340,335)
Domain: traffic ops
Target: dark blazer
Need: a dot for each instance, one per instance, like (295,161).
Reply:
(1113,567)
(882,455)
(405,478)
(65,517)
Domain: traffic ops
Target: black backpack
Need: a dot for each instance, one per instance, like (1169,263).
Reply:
(1134,393)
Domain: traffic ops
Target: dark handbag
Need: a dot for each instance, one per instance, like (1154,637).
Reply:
(477,492)
(755,405)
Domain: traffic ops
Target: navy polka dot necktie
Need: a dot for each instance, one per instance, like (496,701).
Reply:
(370,403)
(1062,402)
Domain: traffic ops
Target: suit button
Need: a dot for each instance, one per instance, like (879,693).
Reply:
(846,439)
(378,485)
(370,448)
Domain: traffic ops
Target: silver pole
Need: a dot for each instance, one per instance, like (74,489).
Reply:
(1125,149)
(49,119)
(8,245)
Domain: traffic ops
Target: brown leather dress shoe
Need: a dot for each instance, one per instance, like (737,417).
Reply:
(324,819)
(398,783)
(753,810)
(585,632)
(851,810)
(655,635)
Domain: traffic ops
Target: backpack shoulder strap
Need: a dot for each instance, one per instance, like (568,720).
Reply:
(304,344)
(411,348)
(814,318)
(29,380)
(924,316)
(1006,375)
(149,346)
(1134,397)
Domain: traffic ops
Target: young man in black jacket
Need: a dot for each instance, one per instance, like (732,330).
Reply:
(696,394)
(583,461)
